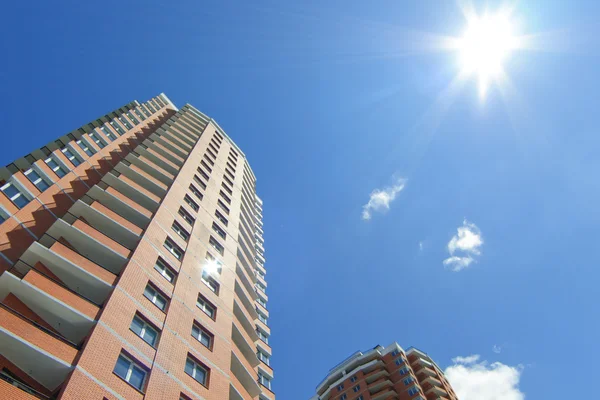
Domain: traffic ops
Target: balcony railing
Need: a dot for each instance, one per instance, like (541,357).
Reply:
(7,378)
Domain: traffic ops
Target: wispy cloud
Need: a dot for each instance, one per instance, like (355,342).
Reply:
(497,349)
(464,246)
(472,379)
(421,245)
(381,199)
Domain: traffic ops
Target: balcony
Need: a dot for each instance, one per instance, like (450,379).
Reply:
(163,151)
(438,391)
(158,158)
(383,394)
(151,169)
(130,211)
(245,377)
(375,375)
(379,385)
(69,322)
(106,224)
(16,390)
(94,283)
(248,304)
(133,191)
(433,381)
(246,348)
(142,178)
(44,355)
(89,247)
(426,371)
(245,320)
(245,282)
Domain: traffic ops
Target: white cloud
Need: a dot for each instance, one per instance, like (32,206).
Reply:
(472,379)
(381,198)
(467,242)
(421,245)
(497,349)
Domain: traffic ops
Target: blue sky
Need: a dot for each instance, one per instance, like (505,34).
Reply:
(331,102)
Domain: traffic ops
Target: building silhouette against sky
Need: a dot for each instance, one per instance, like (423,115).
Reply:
(385,373)
(132,263)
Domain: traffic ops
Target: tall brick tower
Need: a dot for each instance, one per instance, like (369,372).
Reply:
(386,373)
(132,263)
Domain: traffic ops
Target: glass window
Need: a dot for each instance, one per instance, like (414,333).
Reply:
(226,188)
(15,195)
(180,231)
(191,203)
(262,336)
(164,270)
(216,245)
(403,371)
(223,206)
(395,353)
(146,111)
(223,195)
(36,179)
(149,105)
(408,381)
(125,122)
(186,216)
(356,388)
(144,330)
(55,167)
(155,297)
(196,192)
(173,248)
(412,391)
(117,127)
(199,181)
(399,361)
(261,301)
(202,335)
(139,114)
(196,371)
(261,317)
(130,371)
(205,165)
(230,173)
(99,142)
(204,174)
(353,379)
(85,148)
(262,356)
(205,306)
(210,282)
(132,118)
(360,397)
(71,156)
(344,396)
(221,218)
(207,158)
(263,380)
(218,230)
(108,133)
(213,265)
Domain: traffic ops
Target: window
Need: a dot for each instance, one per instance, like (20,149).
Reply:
(207,158)
(223,195)
(205,165)
(408,381)
(218,136)
(261,287)
(233,153)
(196,192)
(15,195)
(399,361)
(164,270)
(215,264)
(412,391)
(117,127)
(353,379)
(262,336)
(263,380)
(199,181)
(130,371)
(196,370)
(226,188)
(360,397)
(173,248)
(125,122)
(209,152)
(206,306)
(85,148)
(216,245)
(403,371)
(228,180)
(221,218)
(219,231)
(132,118)
(262,356)
(212,146)
(139,114)
(155,297)
(395,353)
(55,167)
(99,142)
(149,105)
(146,111)
(204,174)
(356,388)
(108,133)
(36,179)
(210,282)
(144,330)
(230,160)
(216,143)
(344,396)
(223,206)
(71,156)
(230,166)
(202,335)
(261,301)
(230,173)
(340,387)
(261,317)
(186,216)
(191,203)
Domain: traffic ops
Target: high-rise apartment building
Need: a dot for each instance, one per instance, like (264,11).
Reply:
(386,373)
(132,263)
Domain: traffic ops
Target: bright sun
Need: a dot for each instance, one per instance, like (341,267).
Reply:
(485,46)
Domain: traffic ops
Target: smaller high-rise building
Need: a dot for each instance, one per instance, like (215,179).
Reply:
(386,373)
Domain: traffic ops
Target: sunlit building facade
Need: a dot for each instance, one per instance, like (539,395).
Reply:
(386,373)
(132,263)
